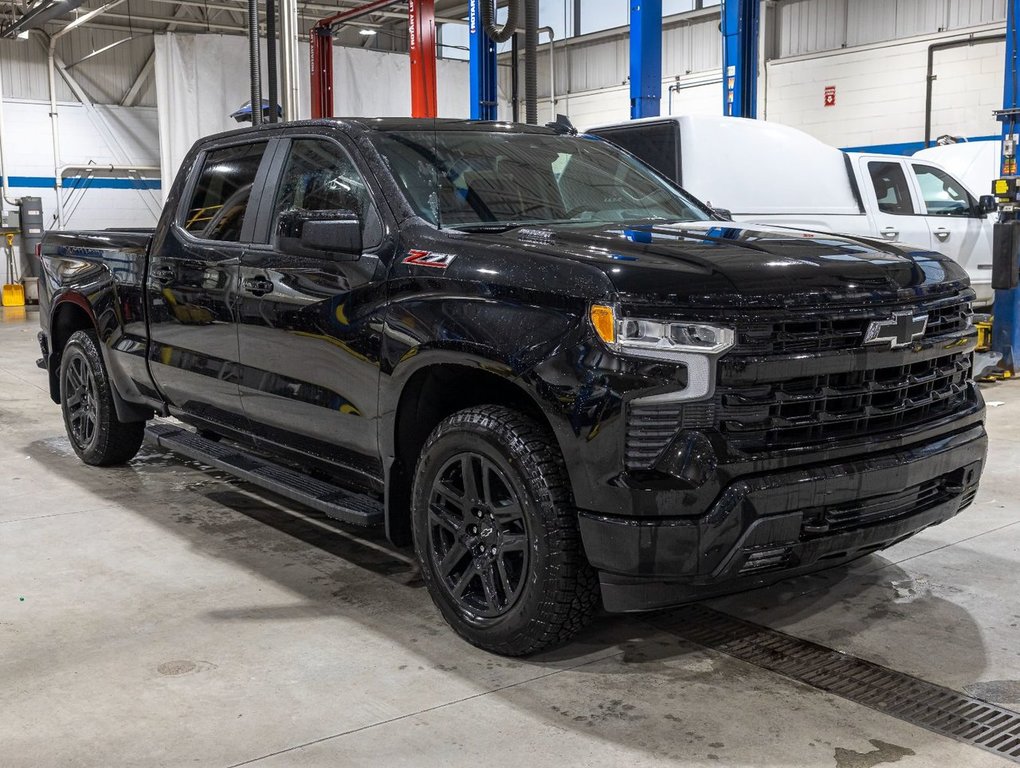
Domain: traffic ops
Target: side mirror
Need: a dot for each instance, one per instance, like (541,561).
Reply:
(334,234)
(987,204)
(723,213)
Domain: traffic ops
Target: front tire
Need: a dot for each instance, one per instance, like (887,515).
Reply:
(495,532)
(86,401)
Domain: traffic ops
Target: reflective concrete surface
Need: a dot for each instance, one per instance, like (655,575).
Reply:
(159,614)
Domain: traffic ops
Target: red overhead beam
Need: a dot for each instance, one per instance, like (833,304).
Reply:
(422,38)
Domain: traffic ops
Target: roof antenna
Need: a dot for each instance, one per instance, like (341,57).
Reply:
(562,125)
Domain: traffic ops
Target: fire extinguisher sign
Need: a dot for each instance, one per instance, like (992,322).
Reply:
(830,96)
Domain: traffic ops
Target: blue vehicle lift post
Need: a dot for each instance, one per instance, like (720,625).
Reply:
(1006,242)
(645,58)
(740,57)
(482,67)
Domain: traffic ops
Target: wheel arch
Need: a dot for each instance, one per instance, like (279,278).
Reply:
(428,396)
(70,314)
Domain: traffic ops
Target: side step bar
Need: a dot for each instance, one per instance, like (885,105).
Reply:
(331,500)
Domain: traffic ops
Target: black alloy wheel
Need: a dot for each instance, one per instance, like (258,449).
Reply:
(478,536)
(88,403)
(496,532)
(81,398)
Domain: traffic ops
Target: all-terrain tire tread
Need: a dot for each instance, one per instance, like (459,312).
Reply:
(573,598)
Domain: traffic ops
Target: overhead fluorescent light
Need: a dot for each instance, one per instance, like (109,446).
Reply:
(367,32)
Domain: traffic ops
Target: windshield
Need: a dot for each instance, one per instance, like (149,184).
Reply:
(472,179)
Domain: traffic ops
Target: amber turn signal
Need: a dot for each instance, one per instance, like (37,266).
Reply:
(604,321)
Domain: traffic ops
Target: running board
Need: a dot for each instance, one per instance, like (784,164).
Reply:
(331,500)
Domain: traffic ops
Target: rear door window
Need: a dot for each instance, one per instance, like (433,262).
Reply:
(219,200)
(891,187)
(943,195)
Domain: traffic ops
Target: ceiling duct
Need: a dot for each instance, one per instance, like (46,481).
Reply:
(39,14)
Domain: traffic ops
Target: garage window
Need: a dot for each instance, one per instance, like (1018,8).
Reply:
(220,198)
(891,188)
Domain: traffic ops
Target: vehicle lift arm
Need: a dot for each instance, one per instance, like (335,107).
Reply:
(421,17)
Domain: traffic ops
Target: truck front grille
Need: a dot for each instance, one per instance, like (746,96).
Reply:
(816,409)
(827,331)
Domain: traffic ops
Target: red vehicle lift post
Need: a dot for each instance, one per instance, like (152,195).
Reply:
(422,38)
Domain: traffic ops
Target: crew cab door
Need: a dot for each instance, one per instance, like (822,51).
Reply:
(309,330)
(891,202)
(193,284)
(959,229)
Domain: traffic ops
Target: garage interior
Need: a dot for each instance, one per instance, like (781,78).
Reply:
(166,613)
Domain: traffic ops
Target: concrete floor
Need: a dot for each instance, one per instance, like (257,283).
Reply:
(158,614)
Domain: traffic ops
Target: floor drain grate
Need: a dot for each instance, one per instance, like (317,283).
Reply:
(908,698)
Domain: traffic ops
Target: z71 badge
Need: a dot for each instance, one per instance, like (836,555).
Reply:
(417,258)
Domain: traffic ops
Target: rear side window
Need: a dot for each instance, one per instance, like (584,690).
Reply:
(655,144)
(220,198)
(891,187)
(943,195)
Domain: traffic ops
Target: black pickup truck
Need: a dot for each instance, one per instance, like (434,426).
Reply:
(549,368)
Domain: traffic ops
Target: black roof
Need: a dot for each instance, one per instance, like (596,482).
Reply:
(355,125)
(438,124)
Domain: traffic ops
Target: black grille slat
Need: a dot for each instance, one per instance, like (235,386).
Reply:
(816,409)
(834,331)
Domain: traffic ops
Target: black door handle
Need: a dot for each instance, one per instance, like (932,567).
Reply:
(257,286)
(163,273)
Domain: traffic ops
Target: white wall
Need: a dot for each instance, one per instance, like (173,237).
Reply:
(880,91)
(83,140)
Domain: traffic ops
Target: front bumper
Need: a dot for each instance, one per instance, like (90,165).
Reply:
(765,528)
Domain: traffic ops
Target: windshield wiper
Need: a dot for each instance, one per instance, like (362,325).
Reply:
(494,226)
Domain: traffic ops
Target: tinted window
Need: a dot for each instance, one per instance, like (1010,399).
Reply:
(891,187)
(470,178)
(656,144)
(943,195)
(220,199)
(320,176)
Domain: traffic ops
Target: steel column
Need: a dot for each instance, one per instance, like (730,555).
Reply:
(740,57)
(1006,310)
(320,52)
(421,40)
(482,67)
(645,57)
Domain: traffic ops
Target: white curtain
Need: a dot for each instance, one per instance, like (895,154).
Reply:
(201,79)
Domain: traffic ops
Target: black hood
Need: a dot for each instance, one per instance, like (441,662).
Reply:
(708,261)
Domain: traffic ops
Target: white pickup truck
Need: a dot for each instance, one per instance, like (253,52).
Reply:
(773,174)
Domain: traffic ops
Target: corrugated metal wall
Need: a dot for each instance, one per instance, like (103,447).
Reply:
(591,64)
(105,77)
(811,26)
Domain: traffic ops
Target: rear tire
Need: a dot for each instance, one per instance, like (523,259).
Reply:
(495,532)
(86,401)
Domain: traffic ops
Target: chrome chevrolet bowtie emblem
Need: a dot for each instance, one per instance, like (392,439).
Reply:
(898,331)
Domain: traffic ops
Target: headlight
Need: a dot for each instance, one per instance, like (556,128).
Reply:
(674,340)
